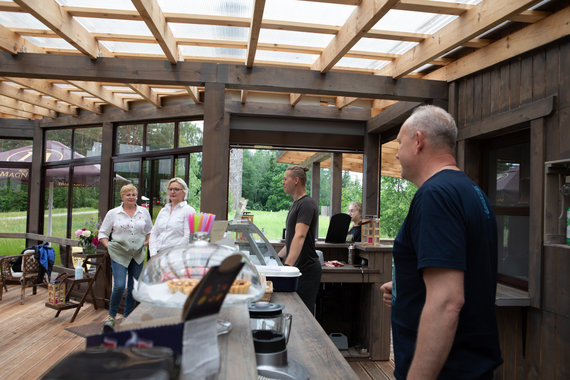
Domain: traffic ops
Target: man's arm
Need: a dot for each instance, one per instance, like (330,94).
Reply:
(386,289)
(438,321)
(301,230)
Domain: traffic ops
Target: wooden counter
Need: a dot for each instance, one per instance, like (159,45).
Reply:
(308,344)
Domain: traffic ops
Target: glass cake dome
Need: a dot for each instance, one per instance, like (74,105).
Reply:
(168,278)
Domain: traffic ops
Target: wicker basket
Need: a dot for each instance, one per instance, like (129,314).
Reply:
(370,232)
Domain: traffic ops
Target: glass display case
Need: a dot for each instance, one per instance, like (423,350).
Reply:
(251,240)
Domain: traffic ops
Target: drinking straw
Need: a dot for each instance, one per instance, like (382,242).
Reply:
(201,220)
(191,223)
(211,223)
(208,225)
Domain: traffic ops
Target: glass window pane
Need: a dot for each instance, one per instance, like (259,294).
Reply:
(13,208)
(55,212)
(7,145)
(85,201)
(190,133)
(509,176)
(160,136)
(88,141)
(180,167)
(513,246)
(58,145)
(195,180)
(126,172)
(129,139)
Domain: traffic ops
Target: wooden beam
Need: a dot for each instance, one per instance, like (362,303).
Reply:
(343,101)
(470,24)
(545,31)
(102,93)
(294,98)
(12,43)
(362,19)
(50,13)
(193,92)
(432,7)
(38,100)
(392,117)
(243,96)
(317,157)
(336,183)
(49,89)
(13,112)
(254,30)
(505,120)
(26,107)
(154,19)
(128,70)
(147,93)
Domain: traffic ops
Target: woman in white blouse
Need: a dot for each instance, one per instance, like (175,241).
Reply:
(125,232)
(171,225)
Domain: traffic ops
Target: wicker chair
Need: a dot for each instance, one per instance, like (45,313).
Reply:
(27,278)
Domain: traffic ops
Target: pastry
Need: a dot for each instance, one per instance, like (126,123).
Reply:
(240,287)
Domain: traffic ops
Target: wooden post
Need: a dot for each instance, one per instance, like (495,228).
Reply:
(106,183)
(216,152)
(371,174)
(336,183)
(36,204)
(536,209)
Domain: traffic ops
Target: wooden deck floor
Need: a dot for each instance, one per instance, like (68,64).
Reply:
(32,340)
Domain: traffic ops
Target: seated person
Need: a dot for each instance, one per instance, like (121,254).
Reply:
(355,212)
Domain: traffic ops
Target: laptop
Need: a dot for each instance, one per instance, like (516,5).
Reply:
(338,228)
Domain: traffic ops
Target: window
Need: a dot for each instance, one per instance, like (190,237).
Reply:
(508,188)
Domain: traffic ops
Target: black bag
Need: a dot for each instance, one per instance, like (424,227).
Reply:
(16,264)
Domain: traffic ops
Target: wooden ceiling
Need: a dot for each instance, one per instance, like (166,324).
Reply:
(390,166)
(481,35)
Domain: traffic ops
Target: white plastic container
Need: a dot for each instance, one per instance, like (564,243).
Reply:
(284,278)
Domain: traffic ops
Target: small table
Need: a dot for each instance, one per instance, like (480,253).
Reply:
(98,261)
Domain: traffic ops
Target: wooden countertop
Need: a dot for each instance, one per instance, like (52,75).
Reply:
(308,345)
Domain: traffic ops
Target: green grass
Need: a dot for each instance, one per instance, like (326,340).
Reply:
(272,224)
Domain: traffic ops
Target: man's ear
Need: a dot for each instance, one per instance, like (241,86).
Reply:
(420,139)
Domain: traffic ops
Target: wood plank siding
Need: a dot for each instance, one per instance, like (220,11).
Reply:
(535,340)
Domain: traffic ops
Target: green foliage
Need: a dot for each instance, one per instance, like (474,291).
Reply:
(351,191)
(13,198)
(395,198)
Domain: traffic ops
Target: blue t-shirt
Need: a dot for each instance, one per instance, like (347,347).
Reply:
(450,224)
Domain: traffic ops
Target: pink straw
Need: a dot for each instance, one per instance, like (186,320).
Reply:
(191,223)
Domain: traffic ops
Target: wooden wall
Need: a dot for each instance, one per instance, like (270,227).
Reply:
(535,341)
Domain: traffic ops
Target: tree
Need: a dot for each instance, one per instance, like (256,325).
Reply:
(351,191)
(395,197)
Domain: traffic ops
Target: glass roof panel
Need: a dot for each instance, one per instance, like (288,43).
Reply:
(307,11)
(215,32)
(294,38)
(376,45)
(215,52)
(418,22)
(265,55)
(110,4)
(360,63)
(20,20)
(236,8)
(132,47)
(53,43)
(99,25)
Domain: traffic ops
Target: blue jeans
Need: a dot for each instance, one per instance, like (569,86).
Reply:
(119,274)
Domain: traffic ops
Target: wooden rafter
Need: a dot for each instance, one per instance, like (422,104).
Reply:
(362,19)
(100,92)
(35,99)
(294,98)
(193,92)
(154,18)
(50,13)
(17,113)
(12,43)
(243,96)
(147,93)
(47,88)
(541,33)
(467,26)
(254,29)
(26,107)
(343,101)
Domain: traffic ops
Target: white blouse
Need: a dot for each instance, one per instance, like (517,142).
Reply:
(171,228)
(122,226)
